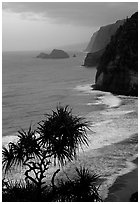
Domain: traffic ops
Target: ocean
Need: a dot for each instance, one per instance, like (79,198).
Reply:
(32,87)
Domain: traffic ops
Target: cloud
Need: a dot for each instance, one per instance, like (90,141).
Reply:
(79,13)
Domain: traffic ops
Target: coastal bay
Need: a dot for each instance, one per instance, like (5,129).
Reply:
(112,118)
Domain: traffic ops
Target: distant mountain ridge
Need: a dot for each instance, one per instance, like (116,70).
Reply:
(102,37)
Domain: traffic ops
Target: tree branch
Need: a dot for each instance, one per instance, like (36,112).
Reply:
(52,181)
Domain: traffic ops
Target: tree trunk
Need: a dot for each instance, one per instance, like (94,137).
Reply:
(52,181)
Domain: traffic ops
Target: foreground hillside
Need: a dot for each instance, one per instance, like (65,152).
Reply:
(117,71)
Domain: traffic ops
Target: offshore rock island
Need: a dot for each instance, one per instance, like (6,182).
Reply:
(55,54)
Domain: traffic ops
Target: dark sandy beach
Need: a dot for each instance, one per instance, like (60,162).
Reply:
(124,186)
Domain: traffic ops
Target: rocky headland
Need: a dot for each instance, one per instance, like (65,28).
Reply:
(55,54)
(117,71)
(92,59)
(102,37)
(99,41)
(91,42)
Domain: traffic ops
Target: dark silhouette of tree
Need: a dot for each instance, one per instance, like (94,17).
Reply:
(82,188)
(18,191)
(56,141)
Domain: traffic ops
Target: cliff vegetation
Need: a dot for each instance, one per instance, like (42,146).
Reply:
(117,71)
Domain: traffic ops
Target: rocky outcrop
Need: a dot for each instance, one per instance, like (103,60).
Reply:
(117,71)
(98,42)
(102,37)
(55,54)
(92,59)
(43,55)
(90,44)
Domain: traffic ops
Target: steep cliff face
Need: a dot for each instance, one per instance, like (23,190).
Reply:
(92,59)
(102,37)
(90,44)
(117,71)
(98,42)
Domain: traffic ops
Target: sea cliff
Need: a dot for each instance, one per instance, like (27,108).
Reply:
(92,59)
(102,37)
(99,41)
(117,71)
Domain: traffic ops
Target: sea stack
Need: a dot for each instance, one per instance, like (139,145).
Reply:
(55,54)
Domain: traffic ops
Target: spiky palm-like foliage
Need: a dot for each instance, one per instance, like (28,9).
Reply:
(28,143)
(83,188)
(24,149)
(27,152)
(59,137)
(8,157)
(62,134)
(85,185)
(19,191)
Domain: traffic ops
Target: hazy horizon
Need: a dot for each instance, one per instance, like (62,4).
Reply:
(48,25)
(68,47)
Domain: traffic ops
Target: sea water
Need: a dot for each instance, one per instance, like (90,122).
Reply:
(33,87)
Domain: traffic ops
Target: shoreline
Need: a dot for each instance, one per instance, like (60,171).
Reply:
(124,186)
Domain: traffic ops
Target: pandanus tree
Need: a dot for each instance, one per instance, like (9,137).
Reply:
(55,141)
(82,188)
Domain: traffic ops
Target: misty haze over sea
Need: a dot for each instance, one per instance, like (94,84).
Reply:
(36,79)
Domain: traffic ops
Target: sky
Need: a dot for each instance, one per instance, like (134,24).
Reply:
(49,25)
